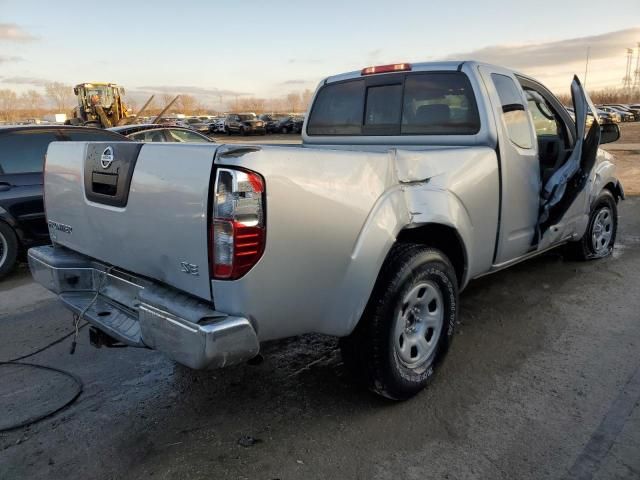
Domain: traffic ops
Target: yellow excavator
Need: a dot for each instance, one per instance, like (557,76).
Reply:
(101,105)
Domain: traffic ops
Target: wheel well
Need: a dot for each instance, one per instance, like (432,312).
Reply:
(442,237)
(616,190)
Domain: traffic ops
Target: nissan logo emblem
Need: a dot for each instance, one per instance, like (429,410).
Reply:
(107,157)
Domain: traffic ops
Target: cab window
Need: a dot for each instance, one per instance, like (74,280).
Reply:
(514,114)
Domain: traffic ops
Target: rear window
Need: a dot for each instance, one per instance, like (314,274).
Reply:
(434,103)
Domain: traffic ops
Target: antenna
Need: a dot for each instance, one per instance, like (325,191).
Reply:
(586,67)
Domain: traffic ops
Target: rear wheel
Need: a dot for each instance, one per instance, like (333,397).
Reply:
(600,237)
(8,249)
(408,324)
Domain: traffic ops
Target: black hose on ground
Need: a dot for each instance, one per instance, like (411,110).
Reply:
(53,411)
(76,379)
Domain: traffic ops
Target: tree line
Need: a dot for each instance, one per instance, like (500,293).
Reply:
(59,98)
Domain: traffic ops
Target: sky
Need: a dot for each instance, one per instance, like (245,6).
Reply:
(220,49)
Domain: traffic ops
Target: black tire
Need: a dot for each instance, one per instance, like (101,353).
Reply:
(284,130)
(603,218)
(8,249)
(371,353)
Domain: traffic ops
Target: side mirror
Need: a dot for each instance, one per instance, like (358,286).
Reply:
(610,132)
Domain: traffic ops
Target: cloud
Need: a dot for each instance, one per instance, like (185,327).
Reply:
(35,81)
(554,53)
(191,90)
(14,33)
(296,82)
(8,58)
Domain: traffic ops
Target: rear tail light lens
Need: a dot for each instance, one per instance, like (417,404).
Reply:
(238,231)
(395,67)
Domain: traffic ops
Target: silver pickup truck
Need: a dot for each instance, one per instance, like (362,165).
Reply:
(412,180)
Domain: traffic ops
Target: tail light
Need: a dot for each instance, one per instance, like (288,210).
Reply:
(396,67)
(237,228)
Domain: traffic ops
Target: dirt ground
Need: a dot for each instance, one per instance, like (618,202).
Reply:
(627,155)
(542,382)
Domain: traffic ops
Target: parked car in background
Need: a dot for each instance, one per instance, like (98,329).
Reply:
(270,121)
(287,124)
(161,133)
(626,108)
(198,124)
(624,115)
(244,124)
(22,153)
(218,125)
(608,117)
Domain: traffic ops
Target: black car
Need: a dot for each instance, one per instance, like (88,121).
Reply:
(161,133)
(290,124)
(22,154)
(244,124)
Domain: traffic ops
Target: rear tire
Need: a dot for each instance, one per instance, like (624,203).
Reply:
(600,237)
(8,249)
(408,324)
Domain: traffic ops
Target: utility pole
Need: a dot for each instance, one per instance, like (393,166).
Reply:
(586,67)
(636,73)
(626,81)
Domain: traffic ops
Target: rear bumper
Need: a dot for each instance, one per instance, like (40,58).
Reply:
(142,313)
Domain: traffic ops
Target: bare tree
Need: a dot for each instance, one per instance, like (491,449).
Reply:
(293,102)
(32,103)
(60,94)
(188,104)
(165,100)
(306,97)
(8,105)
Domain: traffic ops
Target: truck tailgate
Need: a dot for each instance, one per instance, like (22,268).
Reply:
(142,207)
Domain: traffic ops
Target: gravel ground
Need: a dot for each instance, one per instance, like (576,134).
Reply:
(542,381)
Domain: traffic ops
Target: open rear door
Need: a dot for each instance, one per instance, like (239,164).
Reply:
(566,184)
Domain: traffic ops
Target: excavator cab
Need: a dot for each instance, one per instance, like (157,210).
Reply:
(99,105)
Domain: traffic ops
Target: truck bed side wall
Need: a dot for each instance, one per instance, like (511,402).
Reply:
(332,217)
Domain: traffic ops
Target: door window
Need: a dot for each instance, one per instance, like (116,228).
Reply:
(23,151)
(513,112)
(544,120)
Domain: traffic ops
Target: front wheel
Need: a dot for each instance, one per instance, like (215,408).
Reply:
(408,324)
(600,237)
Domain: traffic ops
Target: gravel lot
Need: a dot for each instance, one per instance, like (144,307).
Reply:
(543,381)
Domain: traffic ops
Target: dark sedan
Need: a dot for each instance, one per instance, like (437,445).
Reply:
(290,124)
(22,153)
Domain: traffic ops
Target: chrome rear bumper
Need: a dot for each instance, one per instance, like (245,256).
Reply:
(142,313)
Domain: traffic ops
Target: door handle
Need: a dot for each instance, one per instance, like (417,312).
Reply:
(4,187)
